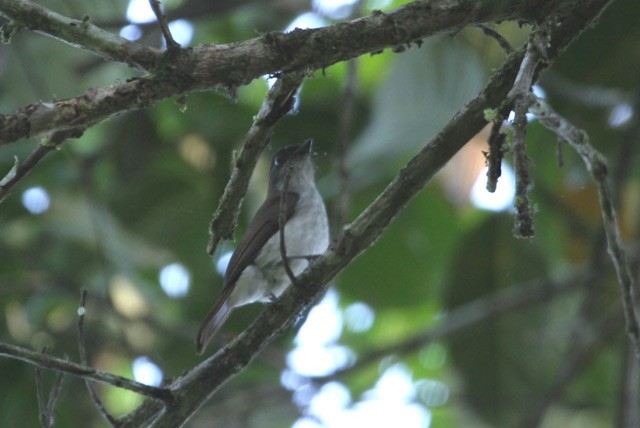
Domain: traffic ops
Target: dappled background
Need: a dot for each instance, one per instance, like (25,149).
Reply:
(124,212)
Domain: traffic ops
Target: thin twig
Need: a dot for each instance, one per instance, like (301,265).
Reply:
(504,43)
(45,409)
(21,169)
(276,105)
(524,225)
(53,363)
(591,307)
(282,221)
(629,406)
(345,135)
(189,10)
(596,165)
(43,414)
(54,394)
(496,153)
(164,26)
(345,131)
(83,360)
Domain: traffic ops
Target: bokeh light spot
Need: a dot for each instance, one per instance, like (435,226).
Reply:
(131,32)
(359,317)
(499,200)
(140,12)
(182,31)
(175,280)
(620,115)
(223,262)
(36,200)
(146,371)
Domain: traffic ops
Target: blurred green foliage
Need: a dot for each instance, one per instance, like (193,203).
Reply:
(137,192)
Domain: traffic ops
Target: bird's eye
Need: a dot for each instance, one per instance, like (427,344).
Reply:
(277,161)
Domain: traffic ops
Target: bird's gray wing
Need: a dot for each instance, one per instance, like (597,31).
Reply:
(264,225)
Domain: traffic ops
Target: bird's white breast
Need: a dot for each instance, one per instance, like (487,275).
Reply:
(306,234)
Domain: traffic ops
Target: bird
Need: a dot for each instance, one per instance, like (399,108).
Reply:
(256,272)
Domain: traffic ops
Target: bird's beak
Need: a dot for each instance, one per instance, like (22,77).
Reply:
(306,146)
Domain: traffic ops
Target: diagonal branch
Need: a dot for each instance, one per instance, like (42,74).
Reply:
(355,238)
(194,388)
(49,362)
(597,166)
(502,41)
(21,169)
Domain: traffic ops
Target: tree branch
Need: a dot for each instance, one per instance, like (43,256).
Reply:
(21,170)
(597,166)
(46,407)
(237,64)
(49,362)
(80,33)
(188,9)
(504,43)
(83,360)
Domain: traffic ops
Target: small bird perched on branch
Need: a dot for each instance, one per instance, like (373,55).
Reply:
(256,271)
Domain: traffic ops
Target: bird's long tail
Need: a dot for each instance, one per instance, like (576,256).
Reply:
(211,324)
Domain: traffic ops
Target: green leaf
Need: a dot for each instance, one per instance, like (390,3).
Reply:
(425,88)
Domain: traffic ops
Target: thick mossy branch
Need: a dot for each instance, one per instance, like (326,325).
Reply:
(235,64)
